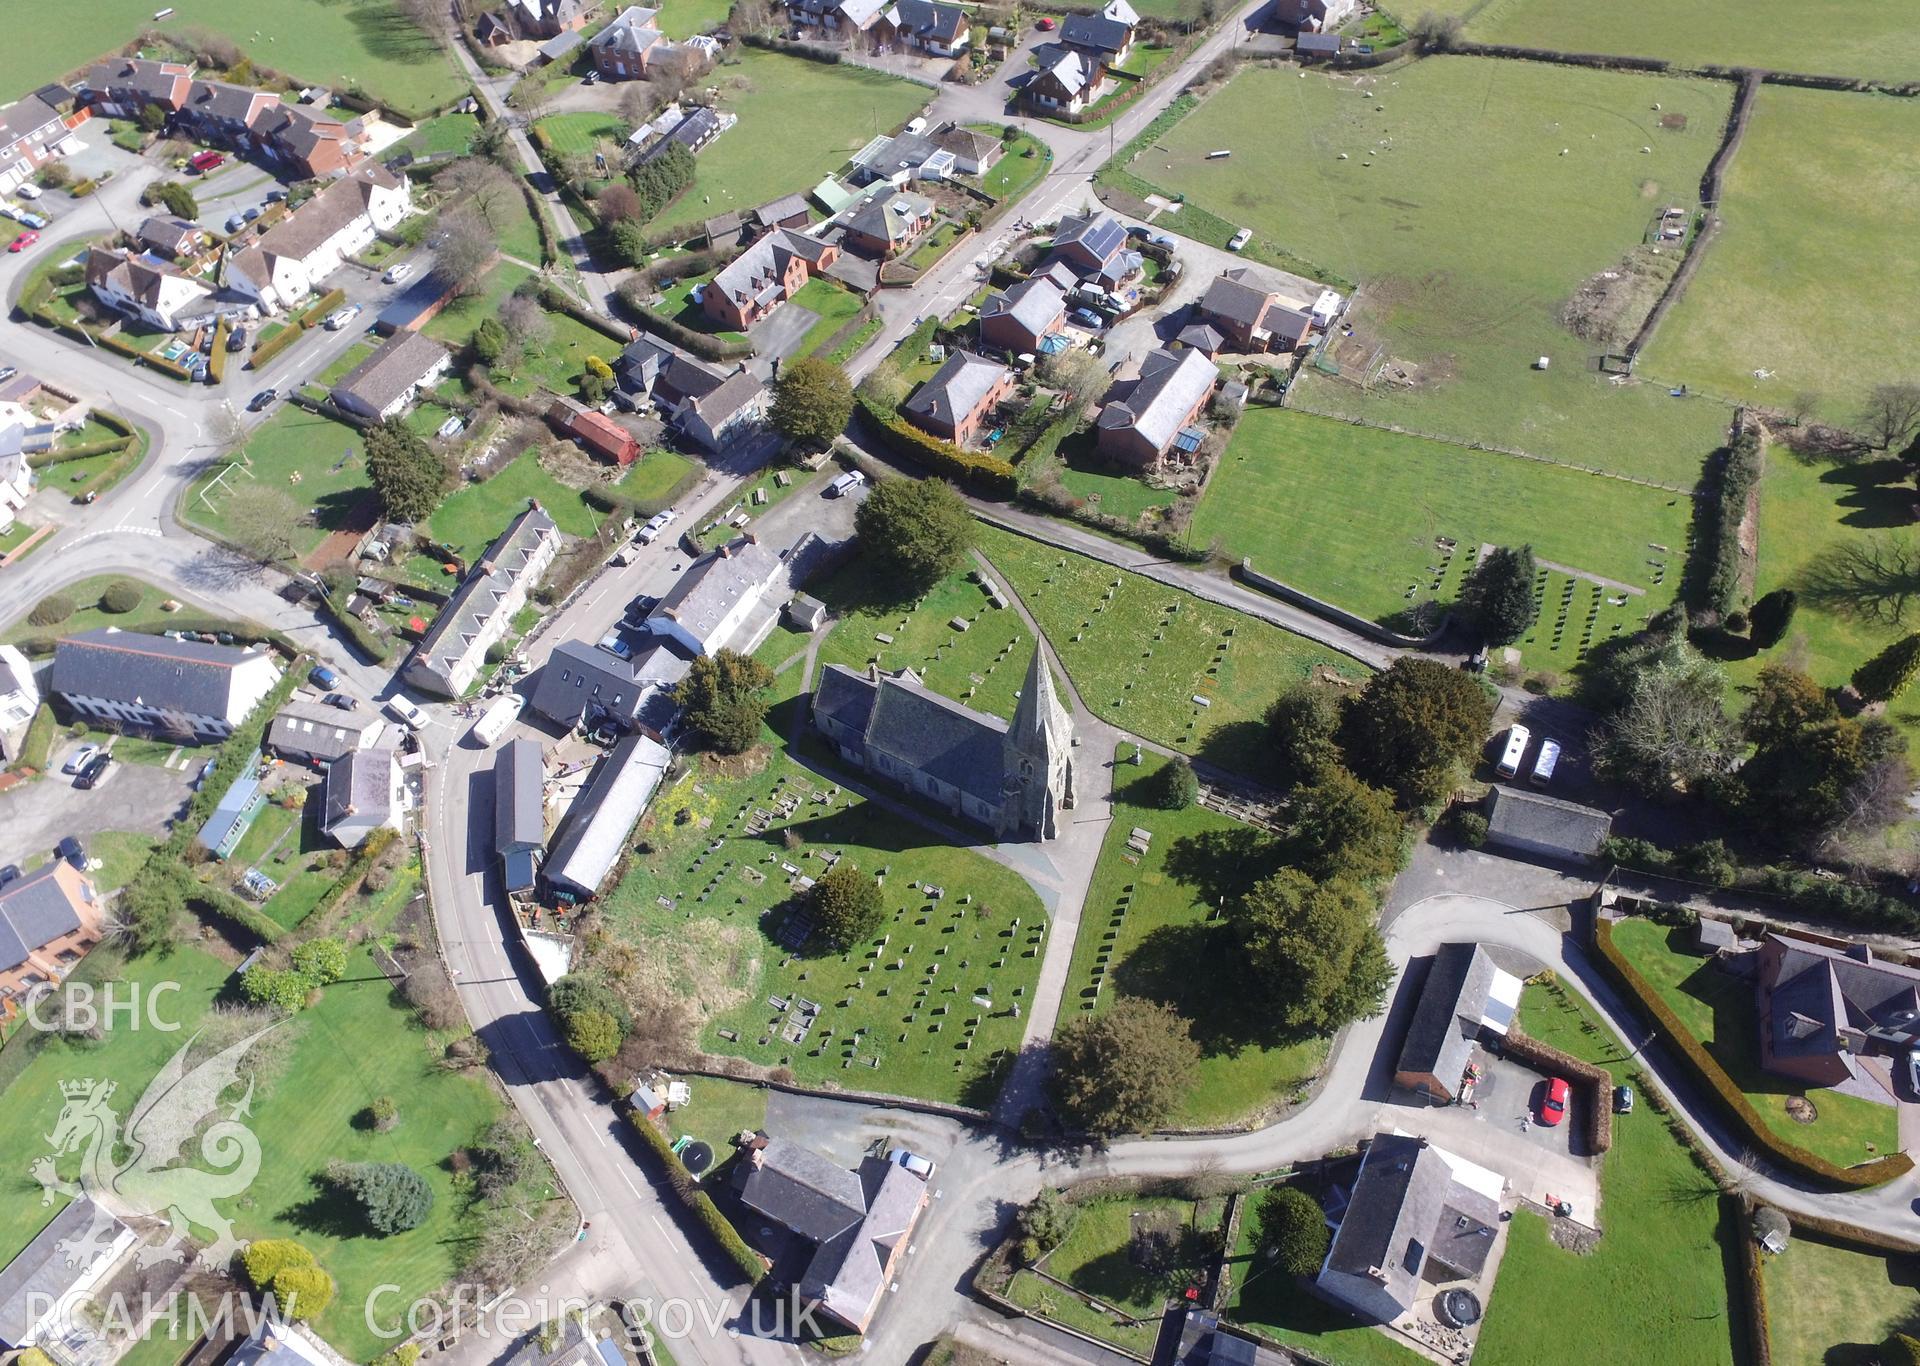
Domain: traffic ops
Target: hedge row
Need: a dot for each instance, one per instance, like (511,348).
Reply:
(559,301)
(39,740)
(112,342)
(357,868)
(1753,1284)
(1596,1081)
(225,905)
(113,422)
(228,763)
(63,455)
(699,343)
(549,249)
(1708,1072)
(217,357)
(273,346)
(699,1202)
(316,312)
(1739,475)
(244,631)
(984,475)
(1833,898)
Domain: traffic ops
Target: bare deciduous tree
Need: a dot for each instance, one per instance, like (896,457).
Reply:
(526,322)
(262,519)
(1891,415)
(225,431)
(1076,373)
(467,247)
(479,186)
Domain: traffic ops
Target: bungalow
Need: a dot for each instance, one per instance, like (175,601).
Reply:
(177,687)
(1068,82)
(592,837)
(317,734)
(1313,16)
(938,29)
(596,432)
(718,593)
(386,383)
(154,291)
(448,658)
(32,133)
(838,18)
(954,403)
(1316,45)
(1106,37)
(122,87)
(19,700)
(1094,247)
(887,223)
(16,475)
(1142,418)
(1023,317)
(897,158)
(973,153)
(364,793)
(49,919)
(519,812)
(727,413)
(46,1293)
(764,276)
(1466,997)
(170,236)
(1834,1014)
(1246,310)
(297,254)
(692,130)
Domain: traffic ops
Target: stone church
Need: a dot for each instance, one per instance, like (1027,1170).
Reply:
(1012,777)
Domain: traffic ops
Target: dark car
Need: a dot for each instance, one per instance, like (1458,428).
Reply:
(95,773)
(276,196)
(9,873)
(1086,317)
(323,677)
(1623,1100)
(70,850)
(235,222)
(237,339)
(250,215)
(262,399)
(341,700)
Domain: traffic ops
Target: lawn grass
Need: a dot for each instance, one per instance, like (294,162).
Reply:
(1114,493)
(448,135)
(88,614)
(317,462)
(771,152)
(1852,38)
(286,844)
(676,302)
(995,651)
(1468,235)
(1831,1303)
(651,481)
(1358,516)
(685,18)
(588,132)
(721,529)
(367,44)
(519,234)
(1098,1259)
(720,957)
(473,518)
(1146,921)
(937,244)
(1266,1301)
(1662,1276)
(1140,656)
(1767,296)
(454,324)
(1718,1008)
(345,361)
(558,363)
(1014,174)
(121,852)
(718,1112)
(835,307)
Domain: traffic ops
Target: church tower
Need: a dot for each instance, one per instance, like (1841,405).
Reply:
(1039,753)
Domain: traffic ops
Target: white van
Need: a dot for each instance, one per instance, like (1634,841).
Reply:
(1516,750)
(1544,762)
(493,723)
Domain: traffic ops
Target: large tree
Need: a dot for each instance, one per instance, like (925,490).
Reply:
(468,244)
(1124,1070)
(392,1196)
(1891,415)
(1291,1225)
(1771,617)
(261,518)
(408,475)
(1889,673)
(721,696)
(1340,827)
(1312,951)
(917,531)
(1303,723)
(847,906)
(1814,771)
(1671,730)
(812,400)
(1498,595)
(1415,728)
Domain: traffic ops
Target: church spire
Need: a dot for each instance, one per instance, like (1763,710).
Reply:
(1037,716)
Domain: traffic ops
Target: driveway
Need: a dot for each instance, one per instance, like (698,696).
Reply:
(845,1134)
(778,335)
(138,797)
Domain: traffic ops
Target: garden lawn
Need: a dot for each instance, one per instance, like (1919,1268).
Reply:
(1145,925)
(770,152)
(120,852)
(685,18)
(367,43)
(1147,685)
(454,324)
(1662,1278)
(450,134)
(345,361)
(836,307)
(1718,1008)
(1118,495)
(288,847)
(1852,38)
(88,614)
(1014,174)
(1267,1302)
(473,518)
(937,244)
(558,364)
(1819,213)
(1097,1258)
(995,650)
(654,479)
(676,302)
(713,944)
(315,461)
(718,1112)
(1359,516)
(1468,235)
(720,529)
(1821,1296)
(587,132)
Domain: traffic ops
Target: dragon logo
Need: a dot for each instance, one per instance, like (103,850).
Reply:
(139,1173)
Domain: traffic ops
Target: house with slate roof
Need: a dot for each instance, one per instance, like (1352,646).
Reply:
(592,837)
(709,603)
(1068,81)
(148,288)
(49,919)
(1023,317)
(836,18)
(1313,16)
(764,276)
(731,411)
(957,399)
(583,686)
(1418,1214)
(1013,777)
(177,687)
(1142,419)
(449,656)
(1246,310)
(886,224)
(294,256)
(974,153)
(364,792)
(1530,823)
(46,1293)
(1106,37)
(386,383)
(929,26)
(1465,999)
(859,1222)
(170,236)
(519,812)
(19,699)
(1835,1015)
(305,732)
(1094,247)
(32,133)
(276,1343)
(121,87)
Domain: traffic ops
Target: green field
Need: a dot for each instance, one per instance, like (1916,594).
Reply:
(1467,234)
(1661,1277)
(835,307)
(316,461)
(1820,210)
(651,481)
(1014,174)
(1836,1304)
(454,324)
(586,132)
(1718,1008)
(1141,654)
(995,650)
(771,152)
(473,518)
(88,613)
(1871,38)
(685,18)
(1145,923)
(364,43)
(450,133)
(1359,516)
(712,944)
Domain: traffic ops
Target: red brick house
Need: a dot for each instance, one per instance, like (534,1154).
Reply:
(764,276)
(956,401)
(1024,316)
(1142,417)
(888,223)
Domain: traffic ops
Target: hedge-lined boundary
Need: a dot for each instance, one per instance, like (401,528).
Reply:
(244,631)
(749,1262)
(274,345)
(308,318)
(217,357)
(64,455)
(1597,1081)
(112,342)
(616,504)
(1739,476)
(375,648)
(985,475)
(1711,1075)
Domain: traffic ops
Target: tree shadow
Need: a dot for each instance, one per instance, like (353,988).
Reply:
(1223,865)
(1876,579)
(389,35)
(329,1211)
(1224,1015)
(1878,495)
(1237,747)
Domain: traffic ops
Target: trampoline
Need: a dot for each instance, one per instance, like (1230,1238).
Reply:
(696,1157)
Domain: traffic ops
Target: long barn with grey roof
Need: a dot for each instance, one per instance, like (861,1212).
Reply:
(519,812)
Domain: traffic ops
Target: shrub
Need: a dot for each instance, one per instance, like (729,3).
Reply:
(321,961)
(1293,1226)
(1772,615)
(699,1203)
(985,475)
(847,906)
(1176,788)
(1045,1223)
(1470,826)
(1739,473)
(302,1292)
(51,610)
(382,1114)
(593,1034)
(265,1258)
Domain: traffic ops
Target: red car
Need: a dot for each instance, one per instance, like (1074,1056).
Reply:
(1045,26)
(23,241)
(1553,1105)
(206,161)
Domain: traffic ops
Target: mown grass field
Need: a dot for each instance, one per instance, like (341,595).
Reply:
(454,324)
(771,152)
(1870,38)
(714,945)
(1718,1008)
(651,480)
(1357,516)
(473,518)
(1145,924)
(1662,1276)
(1468,231)
(1820,211)
(1140,653)
(685,18)
(585,132)
(1827,1303)
(365,43)
(315,461)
